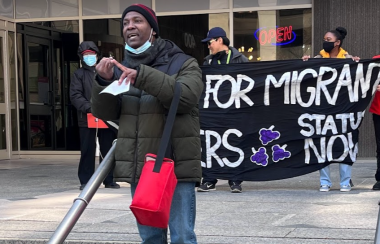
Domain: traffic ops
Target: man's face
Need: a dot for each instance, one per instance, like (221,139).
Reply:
(136,29)
(215,45)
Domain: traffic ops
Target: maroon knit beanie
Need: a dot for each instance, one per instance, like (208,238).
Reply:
(147,12)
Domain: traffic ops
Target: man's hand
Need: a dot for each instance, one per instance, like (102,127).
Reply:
(306,57)
(128,74)
(105,68)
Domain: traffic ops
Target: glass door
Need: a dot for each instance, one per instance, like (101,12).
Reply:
(40,94)
(44,106)
(4,128)
(58,88)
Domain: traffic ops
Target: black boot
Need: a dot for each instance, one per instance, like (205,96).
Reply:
(376,186)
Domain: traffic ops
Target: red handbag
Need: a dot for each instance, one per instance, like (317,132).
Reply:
(154,192)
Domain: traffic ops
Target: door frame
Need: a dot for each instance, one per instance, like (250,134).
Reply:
(5,107)
(36,33)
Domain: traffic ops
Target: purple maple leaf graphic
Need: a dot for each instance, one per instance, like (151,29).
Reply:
(268,135)
(279,153)
(260,157)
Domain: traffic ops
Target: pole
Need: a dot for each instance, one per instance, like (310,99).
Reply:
(84,198)
(377,235)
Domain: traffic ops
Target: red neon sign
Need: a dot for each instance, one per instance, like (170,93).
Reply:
(276,36)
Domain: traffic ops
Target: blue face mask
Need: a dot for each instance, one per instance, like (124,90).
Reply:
(90,60)
(141,49)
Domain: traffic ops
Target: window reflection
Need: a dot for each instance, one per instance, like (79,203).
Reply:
(3,141)
(100,7)
(268,3)
(64,25)
(185,5)
(273,35)
(6,9)
(106,34)
(21,92)
(2,99)
(26,9)
(13,87)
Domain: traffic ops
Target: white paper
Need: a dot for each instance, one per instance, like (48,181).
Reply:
(115,89)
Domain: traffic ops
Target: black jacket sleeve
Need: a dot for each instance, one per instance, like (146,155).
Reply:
(104,106)
(80,102)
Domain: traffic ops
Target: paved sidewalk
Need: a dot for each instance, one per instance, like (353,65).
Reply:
(35,195)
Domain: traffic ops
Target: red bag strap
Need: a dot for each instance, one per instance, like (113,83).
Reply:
(168,127)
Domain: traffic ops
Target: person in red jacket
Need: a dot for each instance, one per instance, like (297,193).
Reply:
(375,110)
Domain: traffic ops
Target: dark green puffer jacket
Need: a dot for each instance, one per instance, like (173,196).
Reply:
(142,112)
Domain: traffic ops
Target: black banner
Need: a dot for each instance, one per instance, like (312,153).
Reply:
(281,119)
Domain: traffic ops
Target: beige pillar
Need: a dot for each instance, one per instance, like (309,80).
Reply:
(267,19)
(220,20)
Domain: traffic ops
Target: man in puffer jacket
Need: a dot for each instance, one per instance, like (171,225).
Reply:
(153,66)
(80,96)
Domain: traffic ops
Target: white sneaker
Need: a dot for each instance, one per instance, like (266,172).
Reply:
(324,188)
(345,188)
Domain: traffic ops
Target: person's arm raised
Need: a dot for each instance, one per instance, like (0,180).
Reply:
(105,68)
(128,74)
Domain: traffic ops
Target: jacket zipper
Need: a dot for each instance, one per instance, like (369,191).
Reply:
(136,157)
(137,143)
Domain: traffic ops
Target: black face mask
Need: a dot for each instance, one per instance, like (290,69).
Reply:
(328,46)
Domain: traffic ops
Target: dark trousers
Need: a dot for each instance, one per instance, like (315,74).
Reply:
(376,123)
(214,181)
(88,149)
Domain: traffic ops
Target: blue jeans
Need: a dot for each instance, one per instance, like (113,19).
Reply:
(345,175)
(181,222)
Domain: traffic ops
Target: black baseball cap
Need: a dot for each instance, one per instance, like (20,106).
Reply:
(214,33)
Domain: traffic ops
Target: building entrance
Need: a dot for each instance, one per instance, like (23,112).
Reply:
(47,121)
(43,82)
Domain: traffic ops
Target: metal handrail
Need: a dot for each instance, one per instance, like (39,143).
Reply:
(84,198)
(377,235)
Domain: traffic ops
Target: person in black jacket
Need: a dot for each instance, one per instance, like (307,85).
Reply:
(80,95)
(221,53)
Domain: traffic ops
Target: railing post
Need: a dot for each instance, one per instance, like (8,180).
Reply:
(84,198)
(377,235)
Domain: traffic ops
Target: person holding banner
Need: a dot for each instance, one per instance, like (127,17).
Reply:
(332,48)
(221,53)
(80,96)
(153,66)
(375,110)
